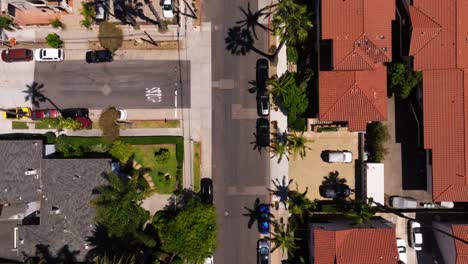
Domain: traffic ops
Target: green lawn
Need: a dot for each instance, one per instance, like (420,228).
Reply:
(196,165)
(19,125)
(44,124)
(144,154)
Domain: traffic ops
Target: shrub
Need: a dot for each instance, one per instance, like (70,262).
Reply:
(291,54)
(403,79)
(61,123)
(299,125)
(121,151)
(110,36)
(53,40)
(5,23)
(108,124)
(89,14)
(162,155)
(50,137)
(100,148)
(62,144)
(56,23)
(377,135)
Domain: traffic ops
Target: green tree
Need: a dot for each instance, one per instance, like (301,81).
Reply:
(283,238)
(56,23)
(53,40)
(108,124)
(162,155)
(291,22)
(377,133)
(121,151)
(191,233)
(361,211)
(110,36)
(6,23)
(297,144)
(278,87)
(279,148)
(118,206)
(299,205)
(403,79)
(88,13)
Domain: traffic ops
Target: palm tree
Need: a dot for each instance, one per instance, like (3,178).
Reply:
(283,238)
(279,149)
(240,42)
(291,22)
(36,96)
(361,211)
(279,86)
(300,205)
(297,144)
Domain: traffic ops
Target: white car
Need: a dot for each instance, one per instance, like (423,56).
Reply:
(167,9)
(48,54)
(401,246)
(416,237)
(338,156)
(122,115)
(209,260)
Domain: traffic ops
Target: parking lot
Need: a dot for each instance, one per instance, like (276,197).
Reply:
(125,84)
(310,171)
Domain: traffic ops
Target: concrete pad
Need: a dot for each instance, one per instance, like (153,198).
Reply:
(155,202)
(310,171)
(15,78)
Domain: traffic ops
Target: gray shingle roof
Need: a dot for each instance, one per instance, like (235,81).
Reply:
(64,190)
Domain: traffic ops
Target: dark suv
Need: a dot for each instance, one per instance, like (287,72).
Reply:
(206,190)
(263,99)
(97,56)
(75,112)
(263,132)
(14,55)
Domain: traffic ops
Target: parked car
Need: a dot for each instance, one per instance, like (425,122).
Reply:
(416,237)
(75,112)
(49,54)
(168,9)
(122,115)
(401,246)
(14,55)
(44,113)
(261,73)
(337,156)
(263,251)
(335,191)
(101,9)
(97,56)
(21,113)
(263,132)
(206,190)
(403,202)
(209,260)
(264,219)
(86,122)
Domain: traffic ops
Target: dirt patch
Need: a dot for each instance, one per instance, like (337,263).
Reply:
(197,5)
(140,44)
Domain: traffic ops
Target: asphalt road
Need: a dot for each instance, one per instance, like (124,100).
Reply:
(124,84)
(240,173)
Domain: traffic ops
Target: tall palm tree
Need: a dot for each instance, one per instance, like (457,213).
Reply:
(297,144)
(291,22)
(283,238)
(279,86)
(34,93)
(300,205)
(279,149)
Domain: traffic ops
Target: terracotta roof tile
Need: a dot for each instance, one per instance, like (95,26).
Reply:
(356,97)
(424,30)
(355,246)
(460,247)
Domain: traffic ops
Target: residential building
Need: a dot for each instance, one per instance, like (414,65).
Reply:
(440,51)
(453,251)
(356,41)
(338,242)
(45,203)
(37,12)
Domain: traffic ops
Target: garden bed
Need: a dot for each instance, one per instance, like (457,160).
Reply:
(196,166)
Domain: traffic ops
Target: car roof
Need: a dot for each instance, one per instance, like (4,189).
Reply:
(418,239)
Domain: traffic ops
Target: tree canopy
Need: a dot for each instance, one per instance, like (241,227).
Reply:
(403,79)
(291,22)
(191,234)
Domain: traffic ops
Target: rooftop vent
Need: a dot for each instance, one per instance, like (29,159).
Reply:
(381,37)
(384,48)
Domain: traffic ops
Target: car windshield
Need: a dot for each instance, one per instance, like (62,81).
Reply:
(59,53)
(167,7)
(43,53)
(264,250)
(8,115)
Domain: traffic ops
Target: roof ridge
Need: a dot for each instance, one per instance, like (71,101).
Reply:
(426,16)
(339,99)
(370,102)
(442,192)
(354,51)
(438,27)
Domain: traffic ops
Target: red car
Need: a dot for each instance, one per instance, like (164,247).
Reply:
(14,55)
(44,113)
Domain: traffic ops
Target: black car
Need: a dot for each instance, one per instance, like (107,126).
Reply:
(206,190)
(261,73)
(263,251)
(101,9)
(75,112)
(263,132)
(335,191)
(97,56)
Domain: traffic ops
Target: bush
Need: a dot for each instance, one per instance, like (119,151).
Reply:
(162,155)
(5,23)
(68,148)
(108,124)
(56,23)
(121,151)
(89,14)
(60,123)
(110,36)
(54,41)
(377,135)
(291,54)
(403,79)
(50,137)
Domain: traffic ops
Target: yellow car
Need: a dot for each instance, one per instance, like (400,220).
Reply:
(21,113)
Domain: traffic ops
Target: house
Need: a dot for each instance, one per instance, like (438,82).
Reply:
(440,51)
(44,203)
(37,12)
(453,251)
(338,242)
(356,41)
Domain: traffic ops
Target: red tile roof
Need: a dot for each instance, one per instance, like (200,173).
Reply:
(355,246)
(440,50)
(353,96)
(460,247)
(355,91)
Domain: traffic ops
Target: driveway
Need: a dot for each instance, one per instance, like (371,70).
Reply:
(15,77)
(310,171)
(125,84)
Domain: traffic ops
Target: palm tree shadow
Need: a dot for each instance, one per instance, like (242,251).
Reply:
(333,178)
(44,255)
(250,22)
(253,214)
(35,94)
(256,146)
(281,191)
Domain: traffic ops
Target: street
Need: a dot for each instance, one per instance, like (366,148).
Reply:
(240,173)
(125,84)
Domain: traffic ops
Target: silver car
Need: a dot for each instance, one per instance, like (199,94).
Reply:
(403,202)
